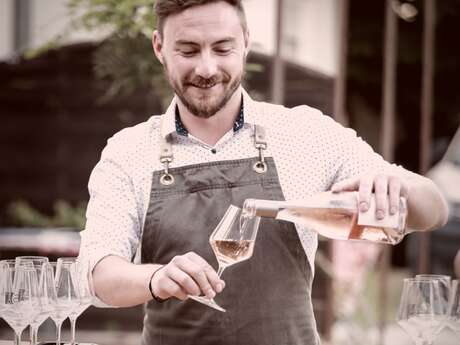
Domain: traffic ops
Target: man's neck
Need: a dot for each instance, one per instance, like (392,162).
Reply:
(212,129)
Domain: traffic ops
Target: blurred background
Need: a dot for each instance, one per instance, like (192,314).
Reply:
(74,72)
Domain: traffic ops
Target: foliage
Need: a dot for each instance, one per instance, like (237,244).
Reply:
(123,17)
(125,56)
(65,215)
(129,65)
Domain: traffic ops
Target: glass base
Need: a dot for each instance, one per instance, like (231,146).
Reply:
(63,343)
(209,302)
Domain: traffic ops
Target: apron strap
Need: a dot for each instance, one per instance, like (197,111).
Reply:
(166,157)
(166,154)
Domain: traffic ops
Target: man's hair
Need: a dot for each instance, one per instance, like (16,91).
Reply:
(166,8)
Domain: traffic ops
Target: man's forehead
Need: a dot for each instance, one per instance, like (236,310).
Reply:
(213,21)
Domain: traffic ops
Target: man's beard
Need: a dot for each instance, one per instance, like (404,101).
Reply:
(204,107)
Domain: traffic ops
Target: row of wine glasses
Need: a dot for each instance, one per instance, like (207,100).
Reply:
(429,303)
(33,289)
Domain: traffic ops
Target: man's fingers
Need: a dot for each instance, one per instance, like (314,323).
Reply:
(184,281)
(164,287)
(347,185)
(211,275)
(365,190)
(381,195)
(387,189)
(187,274)
(197,271)
(172,289)
(394,191)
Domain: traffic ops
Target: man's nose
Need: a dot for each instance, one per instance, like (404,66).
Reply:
(207,66)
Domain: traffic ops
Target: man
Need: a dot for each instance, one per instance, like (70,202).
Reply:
(161,187)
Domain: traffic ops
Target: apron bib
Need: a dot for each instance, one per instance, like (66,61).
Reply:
(267,298)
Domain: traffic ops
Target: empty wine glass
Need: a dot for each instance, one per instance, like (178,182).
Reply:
(422,309)
(9,263)
(453,314)
(67,294)
(19,297)
(35,260)
(445,282)
(5,264)
(37,263)
(444,289)
(232,241)
(86,292)
(5,283)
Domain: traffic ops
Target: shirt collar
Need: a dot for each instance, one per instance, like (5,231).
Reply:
(171,125)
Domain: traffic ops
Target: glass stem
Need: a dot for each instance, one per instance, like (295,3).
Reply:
(73,322)
(36,335)
(33,335)
(58,333)
(220,270)
(17,338)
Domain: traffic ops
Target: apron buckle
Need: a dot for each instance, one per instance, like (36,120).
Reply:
(260,167)
(166,178)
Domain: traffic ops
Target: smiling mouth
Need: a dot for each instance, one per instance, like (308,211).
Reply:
(203,87)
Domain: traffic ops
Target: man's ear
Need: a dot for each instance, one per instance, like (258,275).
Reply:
(247,42)
(157,45)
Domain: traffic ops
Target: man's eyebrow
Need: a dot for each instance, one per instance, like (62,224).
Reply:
(224,40)
(192,43)
(185,43)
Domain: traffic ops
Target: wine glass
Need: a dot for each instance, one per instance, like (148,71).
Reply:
(86,292)
(5,282)
(67,294)
(5,264)
(36,262)
(445,282)
(444,289)
(232,241)
(18,297)
(453,314)
(422,309)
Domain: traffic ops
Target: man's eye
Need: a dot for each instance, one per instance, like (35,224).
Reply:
(223,51)
(188,53)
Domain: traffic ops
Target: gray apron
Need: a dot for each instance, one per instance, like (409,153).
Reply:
(267,298)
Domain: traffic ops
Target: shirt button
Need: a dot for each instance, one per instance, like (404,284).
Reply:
(213,150)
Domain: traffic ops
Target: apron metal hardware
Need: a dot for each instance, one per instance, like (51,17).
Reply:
(166,157)
(260,143)
(260,167)
(166,178)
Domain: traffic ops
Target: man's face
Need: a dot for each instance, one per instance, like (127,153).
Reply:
(203,50)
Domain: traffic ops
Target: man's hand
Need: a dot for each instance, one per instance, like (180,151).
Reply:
(187,274)
(382,185)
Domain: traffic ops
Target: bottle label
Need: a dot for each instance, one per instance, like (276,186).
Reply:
(369,218)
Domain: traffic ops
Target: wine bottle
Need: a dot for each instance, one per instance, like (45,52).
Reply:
(335,216)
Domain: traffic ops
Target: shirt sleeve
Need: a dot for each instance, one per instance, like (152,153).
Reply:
(112,219)
(358,157)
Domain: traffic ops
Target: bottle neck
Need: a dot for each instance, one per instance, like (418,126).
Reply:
(262,208)
(270,208)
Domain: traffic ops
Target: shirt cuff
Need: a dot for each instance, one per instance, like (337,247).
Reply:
(92,260)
